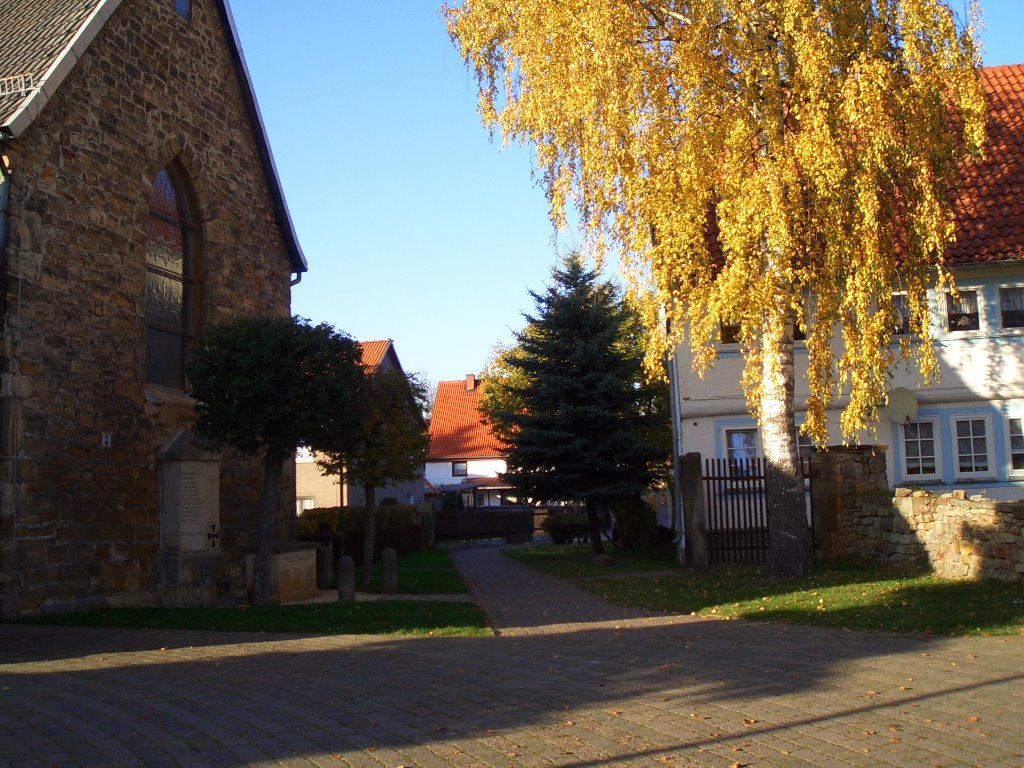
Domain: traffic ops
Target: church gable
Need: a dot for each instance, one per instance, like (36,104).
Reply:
(45,39)
(143,207)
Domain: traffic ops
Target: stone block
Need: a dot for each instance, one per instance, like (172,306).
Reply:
(292,572)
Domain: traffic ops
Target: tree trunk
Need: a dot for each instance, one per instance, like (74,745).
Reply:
(369,532)
(594,524)
(272,469)
(789,544)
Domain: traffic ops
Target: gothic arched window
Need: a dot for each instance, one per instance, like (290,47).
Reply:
(170,282)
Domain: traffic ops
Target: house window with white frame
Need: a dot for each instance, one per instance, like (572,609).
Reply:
(1015,426)
(804,446)
(740,450)
(972,448)
(729,333)
(799,331)
(962,311)
(920,458)
(901,315)
(1011,306)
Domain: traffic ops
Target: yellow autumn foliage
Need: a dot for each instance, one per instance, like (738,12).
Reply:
(814,139)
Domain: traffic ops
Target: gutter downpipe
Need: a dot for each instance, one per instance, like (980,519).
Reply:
(5,198)
(8,445)
(677,481)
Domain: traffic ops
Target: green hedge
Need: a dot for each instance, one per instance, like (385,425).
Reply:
(326,520)
(566,527)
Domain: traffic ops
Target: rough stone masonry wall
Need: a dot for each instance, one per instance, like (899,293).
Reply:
(956,536)
(78,521)
(857,515)
(842,477)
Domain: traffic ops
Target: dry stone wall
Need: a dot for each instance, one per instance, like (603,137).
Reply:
(80,522)
(956,535)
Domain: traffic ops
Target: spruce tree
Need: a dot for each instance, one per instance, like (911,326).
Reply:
(583,428)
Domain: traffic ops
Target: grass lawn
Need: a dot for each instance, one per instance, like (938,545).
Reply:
(430,571)
(837,594)
(427,572)
(372,618)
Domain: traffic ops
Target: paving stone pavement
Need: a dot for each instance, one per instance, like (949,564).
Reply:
(567,681)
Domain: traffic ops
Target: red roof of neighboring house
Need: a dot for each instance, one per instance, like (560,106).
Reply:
(989,197)
(373,351)
(457,430)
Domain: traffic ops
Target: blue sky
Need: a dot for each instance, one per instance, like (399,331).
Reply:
(416,225)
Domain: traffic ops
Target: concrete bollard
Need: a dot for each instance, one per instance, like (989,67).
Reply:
(389,571)
(346,579)
(323,567)
(208,570)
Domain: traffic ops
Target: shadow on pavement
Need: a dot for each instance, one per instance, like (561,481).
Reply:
(345,693)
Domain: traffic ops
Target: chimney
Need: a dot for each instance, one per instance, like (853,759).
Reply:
(470,382)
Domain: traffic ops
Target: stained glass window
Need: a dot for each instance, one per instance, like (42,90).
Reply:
(168,285)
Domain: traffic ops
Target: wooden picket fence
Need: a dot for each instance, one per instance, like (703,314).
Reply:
(737,510)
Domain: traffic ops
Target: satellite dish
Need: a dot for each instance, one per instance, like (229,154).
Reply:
(902,406)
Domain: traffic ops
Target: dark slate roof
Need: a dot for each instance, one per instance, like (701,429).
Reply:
(44,38)
(34,32)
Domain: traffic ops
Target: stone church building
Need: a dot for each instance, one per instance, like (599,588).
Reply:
(139,204)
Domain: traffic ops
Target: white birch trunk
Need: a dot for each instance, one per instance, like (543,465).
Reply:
(789,544)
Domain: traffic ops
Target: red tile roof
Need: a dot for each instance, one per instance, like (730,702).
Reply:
(457,430)
(988,200)
(373,351)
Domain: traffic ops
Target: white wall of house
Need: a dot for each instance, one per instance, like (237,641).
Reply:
(408,492)
(314,488)
(440,473)
(968,429)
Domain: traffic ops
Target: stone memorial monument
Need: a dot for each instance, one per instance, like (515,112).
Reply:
(190,553)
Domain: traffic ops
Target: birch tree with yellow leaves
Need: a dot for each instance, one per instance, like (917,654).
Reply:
(762,164)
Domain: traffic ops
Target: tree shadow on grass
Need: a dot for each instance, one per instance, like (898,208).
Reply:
(941,608)
(891,600)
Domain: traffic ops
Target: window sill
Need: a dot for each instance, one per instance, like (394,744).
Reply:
(973,333)
(157,394)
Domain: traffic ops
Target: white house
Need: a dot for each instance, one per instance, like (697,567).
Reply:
(464,455)
(967,429)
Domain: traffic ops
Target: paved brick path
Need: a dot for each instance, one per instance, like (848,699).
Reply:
(569,681)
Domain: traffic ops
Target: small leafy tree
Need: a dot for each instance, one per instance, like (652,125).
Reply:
(389,446)
(501,380)
(266,385)
(573,402)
